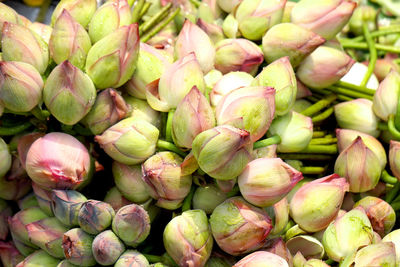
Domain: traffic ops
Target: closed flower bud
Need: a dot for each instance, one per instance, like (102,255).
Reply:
(9,254)
(193,115)
(59,161)
(5,212)
(7,14)
(288,39)
(107,248)
(347,233)
(230,27)
(43,197)
(279,213)
(394,158)
(317,203)
(266,181)
(162,174)
(66,205)
(213,30)
(256,17)
(262,259)
(239,227)
(77,246)
(132,258)
(81,10)
(187,233)
(95,216)
(380,254)
(278,247)
(130,141)
(116,199)
(228,5)
(175,83)
(362,14)
(131,224)
(209,11)
(39,258)
(386,97)
(5,158)
(317,16)
(14,46)
(69,41)
(66,263)
(24,144)
(394,237)
(43,30)
(279,75)
(226,186)
(139,108)
(383,67)
(238,55)
(208,197)
(307,245)
(222,152)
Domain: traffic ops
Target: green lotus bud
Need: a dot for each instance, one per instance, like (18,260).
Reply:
(256,17)
(43,30)
(209,11)
(66,263)
(131,224)
(77,246)
(238,55)
(317,203)
(24,249)
(20,86)
(14,46)
(279,75)
(107,248)
(112,60)
(7,14)
(141,109)
(116,199)
(286,12)
(394,237)
(213,30)
(262,259)
(208,197)
(5,213)
(130,141)
(279,214)
(81,10)
(239,227)
(381,254)
(162,174)
(347,233)
(43,197)
(9,254)
(295,131)
(222,152)
(186,233)
(316,263)
(362,14)
(301,105)
(5,158)
(108,18)
(386,97)
(66,205)
(68,88)
(307,245)
(324,67)
(132,258)
(39,258)
(317,16)
(150,65)
(228,5)
(95,216)
(128,179)
(69,41)
(230,27)
(288,39)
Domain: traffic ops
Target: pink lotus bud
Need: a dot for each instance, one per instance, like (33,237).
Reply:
(24,21)
(192,116)
(360,165)
(262,259)
(59,161)
(383,67)
(317,203)
(278,247)
(324,67)
(14,46)
(226,185)
(9,254)
(394,158)
(8,14)
(228,5)
(24,143)
(255,17)
(214,31)
(238,55)
(386,97)
(324,18)
(266,181)
(43,30)
(394,237)
(302,90)
(175,83)
(228,83)
(81,10)
(380,254)
(193,39)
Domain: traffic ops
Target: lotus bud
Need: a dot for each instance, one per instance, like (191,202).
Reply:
(193,115)
(239,227)
(386,96)
(95,216)
(324,67)
(279,75)
(266,181)
(130,141)
(5,158)
(278,247)
(5,212)
(174,83)
(66,205)
(316,263)
(211,79)
(39,258)
(302,90)
(109,108)
(16,183)
(347,233)
(265,152)
(187,233)
(230,27)
(383,67)
(295,131)
(116,199)
(317,203)
(238,55)
(287,10)
(14,48)
(139,108)
(228,5)
(24,144)
(128,179)
(317,16)
(394,159)
(208,197)
(132,258)
(43,197)
(228,83)
(7,14)
(131,224)
(256,17)
(214,31)
(58,160)
(357,115)
(394,237)
(43,30)
(288,39)
(362,14)
(380,254)
(66,263)
(150,65)
(163,167)
(262,259)
(222,152)
(226,186)
(307,245)
(301,105)
(209,11)
(9,254)
(81,10)
(77,246)
(107,248)
(47,234)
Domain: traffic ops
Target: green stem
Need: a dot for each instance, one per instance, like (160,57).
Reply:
(145,8)
(395,206)
(187,202)
(378,33)
(40,114)
(330,262)
(160,26)
(312,170)
(164,145)
(235,190)
(313,98)
(320,149)
(7,131)
(267,142)
(348,92)
(323,116)
(195,3)
(153,258)
(168,127)
(387,178)
(392,193)
(382,126)
(397,199)
(326,92)
(312,157)
(155,19)
(137,10)
(323,141)
(373,55)
(397,115)
(326,101)
(355,87)
(364,46)
(317,134)
(43,11)
(82,130)
(392,128)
